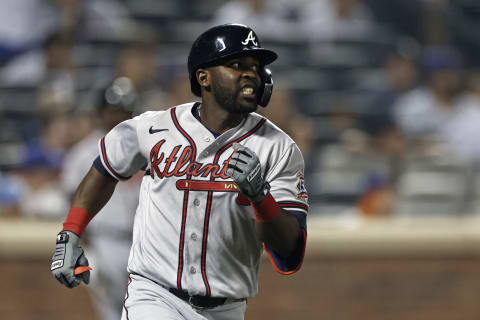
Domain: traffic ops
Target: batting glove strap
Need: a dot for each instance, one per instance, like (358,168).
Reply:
(267,209)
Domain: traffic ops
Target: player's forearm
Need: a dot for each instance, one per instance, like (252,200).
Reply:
(94,191)
(280,234)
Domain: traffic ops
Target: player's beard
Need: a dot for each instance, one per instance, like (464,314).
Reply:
(230,101)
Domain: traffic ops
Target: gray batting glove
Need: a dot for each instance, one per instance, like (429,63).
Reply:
(69,264)
(245,169)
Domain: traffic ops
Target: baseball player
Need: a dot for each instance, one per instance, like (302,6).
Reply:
(221,185)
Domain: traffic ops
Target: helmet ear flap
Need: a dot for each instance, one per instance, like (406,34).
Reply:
(266,90)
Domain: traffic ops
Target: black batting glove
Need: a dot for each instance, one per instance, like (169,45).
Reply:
(245,169)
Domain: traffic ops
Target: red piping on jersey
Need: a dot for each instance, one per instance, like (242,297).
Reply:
(126,296)
(202,185)
(209,203)
(290,204)
(272,261)
(204,243)
(105,160)
(185,200)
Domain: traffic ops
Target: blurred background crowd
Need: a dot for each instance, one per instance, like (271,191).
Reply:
(383,97)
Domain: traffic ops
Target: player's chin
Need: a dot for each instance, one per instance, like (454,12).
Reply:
(247,105)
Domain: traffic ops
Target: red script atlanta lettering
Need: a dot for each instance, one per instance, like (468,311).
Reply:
(182,165)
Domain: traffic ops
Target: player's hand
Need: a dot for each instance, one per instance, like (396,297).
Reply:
(245,169)
(69,264)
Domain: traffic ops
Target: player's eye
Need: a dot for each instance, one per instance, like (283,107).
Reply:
(235,65)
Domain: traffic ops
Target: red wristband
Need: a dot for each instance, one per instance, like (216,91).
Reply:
(266,210)
(77,220)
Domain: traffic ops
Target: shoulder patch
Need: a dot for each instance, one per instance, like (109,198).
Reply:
(301,189)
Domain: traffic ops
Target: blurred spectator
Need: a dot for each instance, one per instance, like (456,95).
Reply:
(41,196)
(387,142)
(32,29)
(463,21)
(137,62)
(10,195)
(337,20)
(427,108)
(24,24)
(441,112)
(282,112)
(179,91)
(56,92)
(38,31)
(434,24)
(400,16)
(272,19)
(52,78)
(342,32)
(109,20)
(398,75)
(111,230)
(462,130)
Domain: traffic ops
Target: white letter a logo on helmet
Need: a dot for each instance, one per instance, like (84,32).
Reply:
(250,37)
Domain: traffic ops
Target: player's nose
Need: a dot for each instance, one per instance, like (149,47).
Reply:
(251,77)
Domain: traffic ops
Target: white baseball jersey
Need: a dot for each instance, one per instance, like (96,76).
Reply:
(193,230)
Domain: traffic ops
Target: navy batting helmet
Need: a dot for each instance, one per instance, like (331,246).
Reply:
(226,41)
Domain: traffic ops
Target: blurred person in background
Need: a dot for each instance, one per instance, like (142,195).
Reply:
(179,90)
(286,116)
(462,131)
(109,235)
(108,20)
(56,91)
(463,24)
(44,132)
(137,62)
(337,19)
(341,32)
(10,194)
(385,140)
(441,112)
(50,60)
(398,75)
(41,194)
(274,19)
(24,25)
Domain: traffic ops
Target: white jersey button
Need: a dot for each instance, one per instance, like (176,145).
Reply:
(196,202)
(207,139)
(193,236)
(193,270)
(205,153)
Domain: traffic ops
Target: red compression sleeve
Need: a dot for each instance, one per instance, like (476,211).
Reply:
(267,209)
(77,220)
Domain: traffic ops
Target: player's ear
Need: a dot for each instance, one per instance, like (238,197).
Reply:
(203,77)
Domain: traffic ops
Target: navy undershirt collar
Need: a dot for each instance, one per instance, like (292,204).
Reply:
(196,114)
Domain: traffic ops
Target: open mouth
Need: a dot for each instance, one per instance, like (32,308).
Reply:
(248,92)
